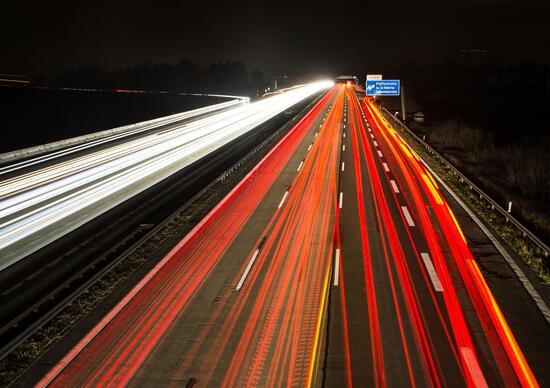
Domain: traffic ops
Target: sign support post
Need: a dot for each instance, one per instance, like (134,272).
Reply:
(403,103)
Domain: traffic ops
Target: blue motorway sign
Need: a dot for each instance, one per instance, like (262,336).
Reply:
(387,87)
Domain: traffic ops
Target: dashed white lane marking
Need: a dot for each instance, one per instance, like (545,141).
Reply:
(300,166)
(309,148)
(341,200)
(386,166)
(343,166)
(337,267)
(375,144)
(247,270)
(380,154)
(344,134)
(407,215)
(344,147)
(283,199)
(316,133)
(431,271)
(372,136)
(394,185)
(473,367)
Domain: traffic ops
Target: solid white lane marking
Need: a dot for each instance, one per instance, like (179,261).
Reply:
(341,199)
(309,148)
(342,166)
(283,200)
(247,270)
(386,166)
(300,166)
(344,147)
(394,185)
(431,271)
(337,267)
(375,144)
(473,367)
(380,154)
(407,215)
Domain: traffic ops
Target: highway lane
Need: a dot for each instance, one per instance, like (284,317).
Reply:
(241,300)
(411,307)
(40,206)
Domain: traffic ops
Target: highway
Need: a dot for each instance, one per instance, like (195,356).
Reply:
(335,262)
(47,202)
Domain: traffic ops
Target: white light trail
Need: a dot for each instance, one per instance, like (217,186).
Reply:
(38,207)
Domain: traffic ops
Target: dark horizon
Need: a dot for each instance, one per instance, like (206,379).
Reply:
(282,38)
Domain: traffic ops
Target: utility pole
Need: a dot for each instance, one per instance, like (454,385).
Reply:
(547,68)
(403,103)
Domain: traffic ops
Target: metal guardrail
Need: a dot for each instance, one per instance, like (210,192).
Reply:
(482,195)
(13,156)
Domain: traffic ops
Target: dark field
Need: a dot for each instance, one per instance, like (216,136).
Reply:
(499,139)
(32,116)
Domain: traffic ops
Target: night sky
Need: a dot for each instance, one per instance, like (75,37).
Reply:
(276,37)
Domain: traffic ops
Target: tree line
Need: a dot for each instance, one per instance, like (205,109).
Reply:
(227,77)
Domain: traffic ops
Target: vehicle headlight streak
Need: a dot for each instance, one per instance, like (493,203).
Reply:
(33,202)
(125,131)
